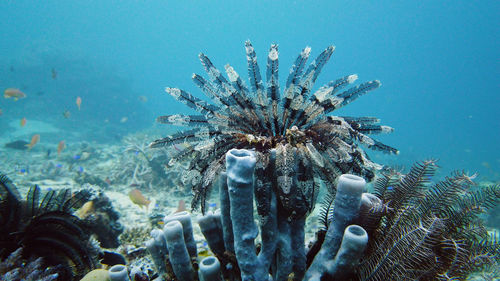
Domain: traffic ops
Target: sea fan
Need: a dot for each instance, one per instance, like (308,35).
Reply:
(295,123)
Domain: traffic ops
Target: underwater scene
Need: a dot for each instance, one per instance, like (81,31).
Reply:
(249,140)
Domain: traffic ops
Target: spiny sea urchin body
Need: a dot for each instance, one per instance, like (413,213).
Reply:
(309,144)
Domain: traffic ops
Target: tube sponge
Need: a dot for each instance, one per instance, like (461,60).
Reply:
(157,247)
(345,211)
(187,227)
(351,250)
(178,254)
(210,225)
(118,272)
(240,165)
(209,269)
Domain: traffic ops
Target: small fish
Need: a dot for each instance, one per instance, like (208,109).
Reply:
(124,119)
(19,144)
(85,210)
(107,180)
(40,93)
(23,122)
(54,73)
(13,93)
(80,169)
(34,140)
(11,68)
(60,147)
(1,112)
(48,152)
(76,157)
(137,198)
(59,165)
(78,102)
(181,206)
(66,114)
(112,258)
(143,98)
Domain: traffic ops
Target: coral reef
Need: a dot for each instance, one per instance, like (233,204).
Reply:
(295,123)
(140,166)
(407,228)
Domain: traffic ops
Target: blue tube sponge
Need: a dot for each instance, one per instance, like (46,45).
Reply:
(157,248)
(351,250)
(227,225)
(118,272)
(187,227)
(240,165)
(210,226)
(178,253)
(345,211)
(209,269)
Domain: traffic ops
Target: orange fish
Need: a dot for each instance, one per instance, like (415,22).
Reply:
(34,140)
(60,147)
(23,122)
(181,207)
(13,93)
(137,198)
(78,102)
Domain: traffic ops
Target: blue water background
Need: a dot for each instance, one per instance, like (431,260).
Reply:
(438,61)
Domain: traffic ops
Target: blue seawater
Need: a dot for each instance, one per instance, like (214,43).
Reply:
(438,62)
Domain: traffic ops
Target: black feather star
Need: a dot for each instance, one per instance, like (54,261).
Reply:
(262,118)
(46,229)
(421,230)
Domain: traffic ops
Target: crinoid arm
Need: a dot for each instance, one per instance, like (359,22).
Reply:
(262,118)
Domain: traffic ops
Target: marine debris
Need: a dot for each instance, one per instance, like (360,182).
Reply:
(295,123)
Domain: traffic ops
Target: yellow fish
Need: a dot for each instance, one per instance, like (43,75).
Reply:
(137,198)
(13,93)
(85,210)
